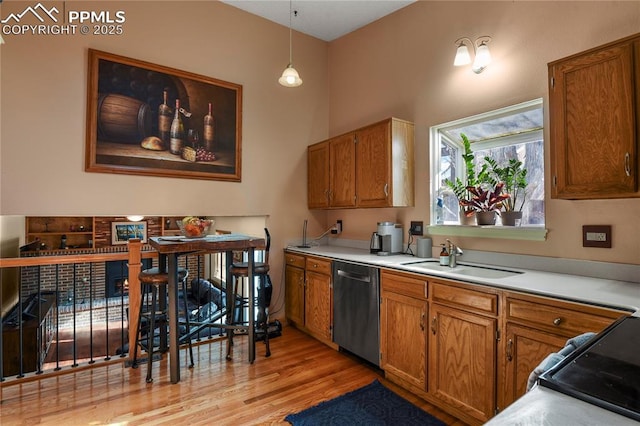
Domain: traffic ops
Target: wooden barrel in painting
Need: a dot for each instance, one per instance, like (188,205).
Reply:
(123,119)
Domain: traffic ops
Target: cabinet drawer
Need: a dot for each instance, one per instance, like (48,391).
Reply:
(321,266)
(566,318)
(294,260)
(463,297)
(405,284)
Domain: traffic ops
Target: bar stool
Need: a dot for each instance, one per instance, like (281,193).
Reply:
(153,280)
(239,271)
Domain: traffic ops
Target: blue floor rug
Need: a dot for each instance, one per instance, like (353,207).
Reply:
(373,404)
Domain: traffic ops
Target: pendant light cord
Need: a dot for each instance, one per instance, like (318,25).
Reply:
(290,23)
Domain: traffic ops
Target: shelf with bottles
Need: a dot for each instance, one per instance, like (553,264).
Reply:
(60,232)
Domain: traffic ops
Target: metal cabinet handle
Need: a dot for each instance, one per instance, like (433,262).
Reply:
(434,323)
(557,321)
(386,189)
(509,350)
(422,322)
(627,164)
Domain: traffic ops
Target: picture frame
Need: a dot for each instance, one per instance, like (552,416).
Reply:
(127,132)
(121,232)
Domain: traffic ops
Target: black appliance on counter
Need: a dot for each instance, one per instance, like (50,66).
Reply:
(356,309)
(605,371)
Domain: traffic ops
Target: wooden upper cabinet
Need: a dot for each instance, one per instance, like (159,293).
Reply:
(373,158)
(594,116)
(369,167)
(342,178)
(318,175)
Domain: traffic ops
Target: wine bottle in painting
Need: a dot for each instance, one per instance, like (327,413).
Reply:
(164,121)
(177,132)
(208,130)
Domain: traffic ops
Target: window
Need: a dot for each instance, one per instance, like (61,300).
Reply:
(515,132)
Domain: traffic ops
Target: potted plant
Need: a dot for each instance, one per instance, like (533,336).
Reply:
(486,201)
(514,177)
(461,189)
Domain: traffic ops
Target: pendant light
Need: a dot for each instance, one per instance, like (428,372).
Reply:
(290,77)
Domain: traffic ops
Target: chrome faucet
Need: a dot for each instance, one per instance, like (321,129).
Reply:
(454,252)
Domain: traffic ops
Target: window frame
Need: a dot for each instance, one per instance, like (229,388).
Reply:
(527,232)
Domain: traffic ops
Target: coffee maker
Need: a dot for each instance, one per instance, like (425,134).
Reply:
(390,238)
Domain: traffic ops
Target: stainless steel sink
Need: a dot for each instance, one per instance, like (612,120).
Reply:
(464,269)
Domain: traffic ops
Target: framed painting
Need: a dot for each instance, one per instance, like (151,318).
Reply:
(122,232)
(148,119)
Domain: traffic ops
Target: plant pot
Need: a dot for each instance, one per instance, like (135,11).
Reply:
(511,218)
(486,218)
(467,220)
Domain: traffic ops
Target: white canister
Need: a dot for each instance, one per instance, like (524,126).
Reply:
(424,247)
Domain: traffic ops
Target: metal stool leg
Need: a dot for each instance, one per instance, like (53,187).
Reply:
(150,334)
(186,316)
(263,311)
(230,315)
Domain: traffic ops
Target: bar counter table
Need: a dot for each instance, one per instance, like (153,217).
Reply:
(169,250)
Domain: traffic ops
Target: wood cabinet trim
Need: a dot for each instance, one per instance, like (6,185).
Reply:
(463,297)
(411,285)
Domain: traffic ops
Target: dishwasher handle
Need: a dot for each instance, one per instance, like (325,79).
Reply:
(356,277)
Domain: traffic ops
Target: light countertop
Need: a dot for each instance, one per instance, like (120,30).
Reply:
(597,291)
(545,407)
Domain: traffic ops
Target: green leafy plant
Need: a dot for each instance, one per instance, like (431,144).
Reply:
(461,188)
(486,198)
(514,177)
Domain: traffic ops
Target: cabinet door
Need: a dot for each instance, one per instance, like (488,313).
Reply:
(525,348)
(342,178)
(402,338)
(373,165)
(294,294)
(318,175)
(462,361)
(318,305)
(593,124)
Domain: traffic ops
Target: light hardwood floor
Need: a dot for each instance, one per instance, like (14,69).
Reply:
(300,373)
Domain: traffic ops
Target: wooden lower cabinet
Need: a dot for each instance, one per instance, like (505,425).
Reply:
(294,288)
(525,348)
(535,327)
(403,340)
(462,360)
(318,304)
(309,295)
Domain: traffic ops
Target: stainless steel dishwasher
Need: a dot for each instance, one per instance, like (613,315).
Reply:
(356,309)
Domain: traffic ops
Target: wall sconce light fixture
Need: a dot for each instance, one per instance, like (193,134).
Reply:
(135,218)
(480,49)
(290,77)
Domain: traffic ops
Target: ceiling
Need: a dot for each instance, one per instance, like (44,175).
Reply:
(323,19)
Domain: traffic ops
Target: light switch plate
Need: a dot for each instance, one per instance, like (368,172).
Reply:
(596,236)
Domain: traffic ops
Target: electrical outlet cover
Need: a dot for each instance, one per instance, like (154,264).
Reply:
(416,228)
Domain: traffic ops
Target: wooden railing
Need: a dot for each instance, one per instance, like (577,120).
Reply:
(22,344)
(73,309)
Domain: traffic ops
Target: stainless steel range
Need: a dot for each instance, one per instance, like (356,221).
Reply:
(605,371)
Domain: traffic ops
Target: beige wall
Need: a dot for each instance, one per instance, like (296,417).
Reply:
(402,66)
(42,139)
(398,66)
